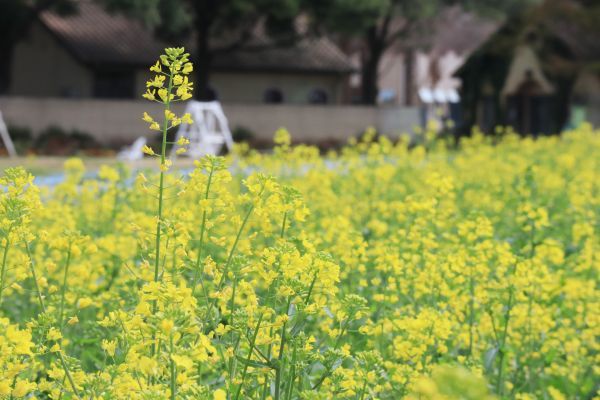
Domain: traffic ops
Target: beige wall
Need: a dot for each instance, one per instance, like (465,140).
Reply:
(249,87)
(120,121)
(42,67)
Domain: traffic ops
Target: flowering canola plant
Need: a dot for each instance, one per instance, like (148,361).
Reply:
(382,271)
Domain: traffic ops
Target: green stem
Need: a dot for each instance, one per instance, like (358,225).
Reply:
(363,391)
(471,310)
(34,276)
(201,241)
(113,215)
(163,156)
(173,371)
(174,262)
(232,324)
(245,370)
(229,258)
(268,357)
(43,308)
(279,369)
(269,297)
(328,369)
(293,374)
(64,288)
(163,153)
(499,386)
(283,225)
(3,271)
(301,318)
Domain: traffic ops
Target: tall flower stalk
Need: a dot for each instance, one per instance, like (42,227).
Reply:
(170,84)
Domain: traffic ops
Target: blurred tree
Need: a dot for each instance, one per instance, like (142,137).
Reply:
(16,16)
(381,24)
(216,26)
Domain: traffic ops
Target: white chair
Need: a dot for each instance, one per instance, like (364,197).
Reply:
(209,132)
(133,152)
(8,143)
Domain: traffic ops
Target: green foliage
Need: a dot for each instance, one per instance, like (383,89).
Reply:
(56,141)
(497,8)
(242,134)
(347,16)
(15,15)
(145,10)
(177,19)
(452,382)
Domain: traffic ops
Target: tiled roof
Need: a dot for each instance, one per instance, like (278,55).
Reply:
(460,31)
(96,37)
(305,56)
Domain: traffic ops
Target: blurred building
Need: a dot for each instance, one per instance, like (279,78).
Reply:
(427,59)
(538,73)
(94,54)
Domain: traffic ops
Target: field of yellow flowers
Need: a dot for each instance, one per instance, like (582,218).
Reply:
(380,272)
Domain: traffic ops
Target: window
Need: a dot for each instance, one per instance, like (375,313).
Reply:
(114,84)
(317,96)
(273,96)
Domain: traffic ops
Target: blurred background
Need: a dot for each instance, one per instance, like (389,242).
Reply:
(72,71)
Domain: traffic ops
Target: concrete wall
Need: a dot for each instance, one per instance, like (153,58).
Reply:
(120,121)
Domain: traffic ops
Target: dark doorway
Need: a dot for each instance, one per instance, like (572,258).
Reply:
(528,108)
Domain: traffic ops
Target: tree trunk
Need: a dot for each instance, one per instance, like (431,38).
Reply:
(205,11)
(203,58)
(370,67)
(409,89)
(7,48)
(369,86)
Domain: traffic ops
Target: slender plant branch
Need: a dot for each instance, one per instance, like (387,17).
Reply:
(3,270)
(64,288)
(43,308)
(173,370)
(201,242)
(250,351)
(163,157)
